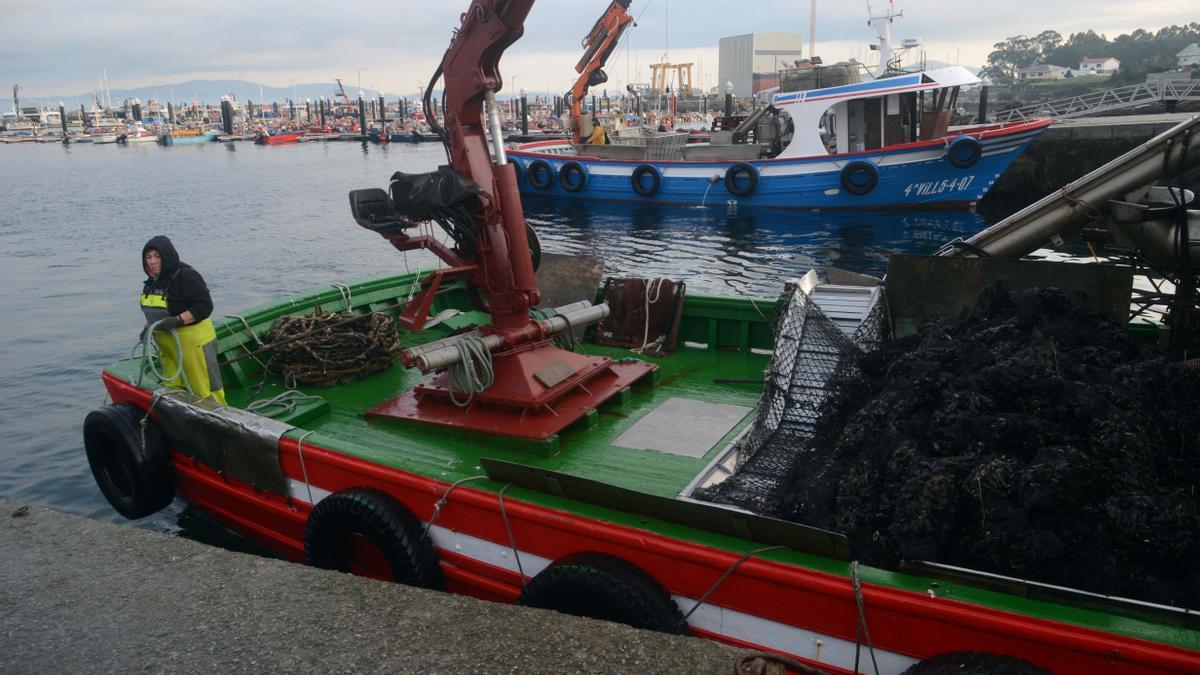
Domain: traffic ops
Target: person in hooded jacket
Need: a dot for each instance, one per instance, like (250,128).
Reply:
(176,296)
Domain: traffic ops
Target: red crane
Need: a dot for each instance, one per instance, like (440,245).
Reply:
(538,389)
(598,45)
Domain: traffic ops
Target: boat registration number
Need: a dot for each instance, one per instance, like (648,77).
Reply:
(938,187)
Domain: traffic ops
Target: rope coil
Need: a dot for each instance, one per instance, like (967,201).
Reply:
(473,373)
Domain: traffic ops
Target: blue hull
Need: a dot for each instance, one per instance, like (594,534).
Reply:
(915,177)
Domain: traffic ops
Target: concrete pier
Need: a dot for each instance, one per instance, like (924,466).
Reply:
(84,596)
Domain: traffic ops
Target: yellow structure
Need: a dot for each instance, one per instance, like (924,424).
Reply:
(659,73)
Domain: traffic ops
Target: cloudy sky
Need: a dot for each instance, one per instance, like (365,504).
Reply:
(59,46)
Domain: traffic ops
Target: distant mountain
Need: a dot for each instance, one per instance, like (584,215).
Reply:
(211,91)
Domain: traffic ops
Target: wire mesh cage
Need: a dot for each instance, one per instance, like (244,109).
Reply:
(661,146)
(811,351)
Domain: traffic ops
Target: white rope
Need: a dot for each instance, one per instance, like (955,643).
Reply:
(442,501)
(153,357)
(304,469)
(512,541)
(473,373)
(344,290)
(856,584)
(720,580)
(653,288)
(286,402)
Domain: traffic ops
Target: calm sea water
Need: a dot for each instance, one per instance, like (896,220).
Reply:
(265,222)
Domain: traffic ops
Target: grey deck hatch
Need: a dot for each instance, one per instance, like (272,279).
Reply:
(683,426)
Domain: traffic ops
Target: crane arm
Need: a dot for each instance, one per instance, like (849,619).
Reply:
(470,69)
(598,45)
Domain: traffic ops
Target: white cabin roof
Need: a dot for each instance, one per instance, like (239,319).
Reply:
(806,108)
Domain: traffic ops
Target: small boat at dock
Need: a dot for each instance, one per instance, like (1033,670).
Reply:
(187,137)
(283,138)
(831,137)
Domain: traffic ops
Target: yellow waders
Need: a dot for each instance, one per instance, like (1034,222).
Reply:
(199,344)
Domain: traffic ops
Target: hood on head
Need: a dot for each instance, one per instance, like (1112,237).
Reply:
(166,250)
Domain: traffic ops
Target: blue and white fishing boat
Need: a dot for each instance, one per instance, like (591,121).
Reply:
(879,142)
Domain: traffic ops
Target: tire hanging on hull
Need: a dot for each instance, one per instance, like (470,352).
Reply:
(540,174)
(969,663)
(642,174)
(135,477)
(734,174)
(603,587)
(964,152)
(572,176)
(859,177)
(367,532)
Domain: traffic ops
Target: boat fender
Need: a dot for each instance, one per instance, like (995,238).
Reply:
(540,174)
(964,152)
(135,477)
(519,170)
(733,178)
(603,587)
(646,180)
(974,662)
(367,532)
(859,177)
(572,176)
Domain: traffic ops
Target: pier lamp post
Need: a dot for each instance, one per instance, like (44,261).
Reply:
(362,116)
(524,113)
(62,118)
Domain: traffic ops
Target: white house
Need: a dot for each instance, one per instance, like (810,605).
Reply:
(1042,72)
(1102,66)
(1190,56)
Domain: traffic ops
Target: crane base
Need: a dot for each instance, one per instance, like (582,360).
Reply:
(537,393)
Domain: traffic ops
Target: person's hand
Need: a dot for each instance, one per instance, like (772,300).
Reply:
(170,323)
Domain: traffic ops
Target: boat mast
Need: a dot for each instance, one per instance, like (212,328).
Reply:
(883,25)
(812,29)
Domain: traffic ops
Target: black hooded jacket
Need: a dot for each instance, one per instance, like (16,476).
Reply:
(184,287)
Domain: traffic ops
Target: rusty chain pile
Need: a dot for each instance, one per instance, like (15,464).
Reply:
(323,349)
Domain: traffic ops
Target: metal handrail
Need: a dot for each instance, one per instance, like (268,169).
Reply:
(1111,99)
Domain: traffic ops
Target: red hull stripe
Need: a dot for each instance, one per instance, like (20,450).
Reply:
(769,600)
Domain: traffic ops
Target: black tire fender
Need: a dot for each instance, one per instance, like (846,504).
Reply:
(137,481)
(964,152)
(731,179)
(601,586)
(859,177)
(540,174)
(641,174)
(974,663)
(381,521)
(572,176)
(519,171)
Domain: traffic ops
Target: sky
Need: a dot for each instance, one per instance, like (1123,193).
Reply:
(59,46)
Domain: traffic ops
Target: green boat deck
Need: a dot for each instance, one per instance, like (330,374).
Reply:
(720,341)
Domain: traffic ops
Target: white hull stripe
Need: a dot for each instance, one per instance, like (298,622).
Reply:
(711,618)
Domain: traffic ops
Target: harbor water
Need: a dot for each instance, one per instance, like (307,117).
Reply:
(262,223)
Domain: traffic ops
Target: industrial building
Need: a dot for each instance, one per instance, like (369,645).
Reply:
(752,61)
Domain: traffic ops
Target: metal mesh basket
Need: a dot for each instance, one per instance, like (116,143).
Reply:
(661,146)
(810,350)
